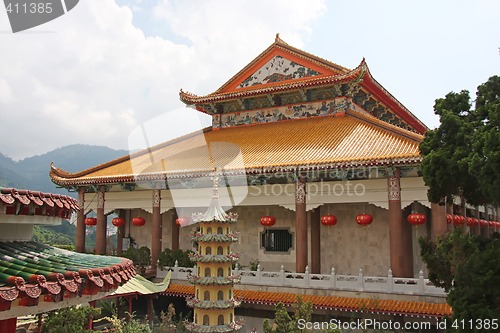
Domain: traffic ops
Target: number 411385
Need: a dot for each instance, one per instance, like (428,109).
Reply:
(31,8)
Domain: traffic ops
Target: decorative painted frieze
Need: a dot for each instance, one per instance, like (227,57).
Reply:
(336,107)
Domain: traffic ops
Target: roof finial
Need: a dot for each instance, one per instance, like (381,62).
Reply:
(277,37)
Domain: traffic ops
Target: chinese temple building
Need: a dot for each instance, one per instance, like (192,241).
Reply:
(324,152)
(214,300)
(37,278)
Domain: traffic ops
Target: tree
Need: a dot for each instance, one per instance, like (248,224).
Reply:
(69,320)
(447,151)
(468,268)
(485,161)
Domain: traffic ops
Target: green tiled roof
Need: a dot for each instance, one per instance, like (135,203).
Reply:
(140,285)
(36,269)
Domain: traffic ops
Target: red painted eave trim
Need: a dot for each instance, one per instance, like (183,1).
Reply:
(374,88)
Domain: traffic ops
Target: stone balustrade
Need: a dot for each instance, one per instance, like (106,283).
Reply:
(358,283)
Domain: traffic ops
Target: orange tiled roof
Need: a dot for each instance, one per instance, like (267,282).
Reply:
(316,142)
(330,302)
(331,74)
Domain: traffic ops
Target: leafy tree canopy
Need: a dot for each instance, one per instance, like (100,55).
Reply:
(462,156)
(468,267)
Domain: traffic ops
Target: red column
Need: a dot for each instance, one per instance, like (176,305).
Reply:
(80,221)
(396,236)
(119,234)
(438,216)
(300,225)
(315,242)
(8,325)
(156,230)
(101,228)
(175,231)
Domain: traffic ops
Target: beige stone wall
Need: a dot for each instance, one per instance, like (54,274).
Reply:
(345,246)
(349,247)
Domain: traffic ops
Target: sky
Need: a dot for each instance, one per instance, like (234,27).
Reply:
(109,67)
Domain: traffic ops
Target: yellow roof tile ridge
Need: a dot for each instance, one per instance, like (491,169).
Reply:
(387,126)
(60,173)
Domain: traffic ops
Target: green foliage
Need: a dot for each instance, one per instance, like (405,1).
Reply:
(69,320)
(284,323)
(468,267)
(169,324)
(254,264)
(43,234)
(124,326)
(485,161)
(168,257)
(140,256)
(462,156)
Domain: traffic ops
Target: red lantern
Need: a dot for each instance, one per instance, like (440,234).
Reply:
(492,224)
(416,218)
(449,218)
(328,219)
(364,219)
(471,221)
(181,221)
(458,220)
(267,221)
(483,223)
(118,221)
(138,221)
(91,221)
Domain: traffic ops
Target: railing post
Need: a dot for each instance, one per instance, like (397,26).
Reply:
(175,273)
(236,269)
(421,282)
(306,276)
(390,281)
(259,274)
(333,278)
(361,280)
(282,276)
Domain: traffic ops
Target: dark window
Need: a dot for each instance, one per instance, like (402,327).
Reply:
(276,240)
(206,295)
(207,272)
(220,295)
(219,230)
(208,250)
(220,250)
(220,271)
(206,320)
(220,320)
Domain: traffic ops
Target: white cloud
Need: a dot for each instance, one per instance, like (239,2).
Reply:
(91,76)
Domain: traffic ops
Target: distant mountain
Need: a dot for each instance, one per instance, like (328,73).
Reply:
(33,172)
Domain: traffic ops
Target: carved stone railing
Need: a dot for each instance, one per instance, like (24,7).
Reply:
(333,281)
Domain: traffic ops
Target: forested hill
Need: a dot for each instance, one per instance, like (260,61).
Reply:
(33,172)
